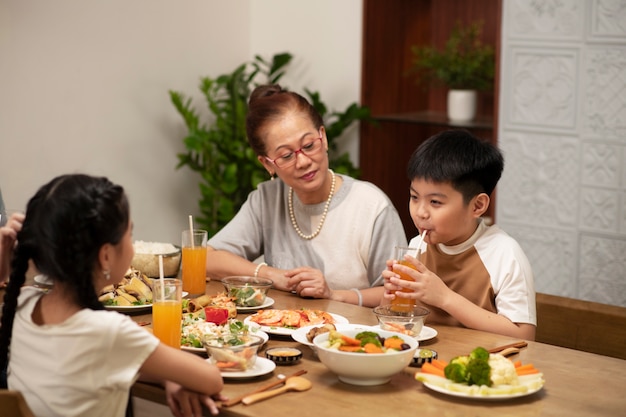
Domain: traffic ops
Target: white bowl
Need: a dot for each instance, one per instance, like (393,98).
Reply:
(146,258)
(365,368)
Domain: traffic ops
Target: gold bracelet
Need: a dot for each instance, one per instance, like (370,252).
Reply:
(258,268)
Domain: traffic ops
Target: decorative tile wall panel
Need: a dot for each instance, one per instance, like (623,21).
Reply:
(600,210)
(604,103)
(601,164)
(552,255)
(539,183)
(543,88)
(546,19)
(602,266)
(563,131)
(608,20)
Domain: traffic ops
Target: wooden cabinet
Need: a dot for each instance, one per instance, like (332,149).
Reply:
(406,113)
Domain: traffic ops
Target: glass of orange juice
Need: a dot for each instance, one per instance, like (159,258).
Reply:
(194,261)
(402,303)
(167,310)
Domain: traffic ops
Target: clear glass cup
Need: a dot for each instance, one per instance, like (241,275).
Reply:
(167,311)
(403,303)
(194,261)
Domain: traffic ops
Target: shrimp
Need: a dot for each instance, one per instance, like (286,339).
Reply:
(268,317)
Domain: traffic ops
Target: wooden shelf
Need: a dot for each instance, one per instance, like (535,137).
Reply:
(408,114)
(436,119)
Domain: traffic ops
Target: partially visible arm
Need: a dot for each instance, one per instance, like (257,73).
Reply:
(222,264)
(430,289)
(475,317)
(8,236)
(186,369)
(371,296)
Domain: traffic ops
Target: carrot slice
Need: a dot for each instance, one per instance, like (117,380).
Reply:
(524,367)
(394,343)
(517,363)
(429,368)
(438,363)
(372,348)
(350,341)
(527,372)
(349,348)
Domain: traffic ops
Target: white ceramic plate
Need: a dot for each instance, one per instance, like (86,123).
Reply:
(262,366)
(268,303)
(202,350)
(284,331)
(427,333)
(129,309)
(533,382)
(299,335)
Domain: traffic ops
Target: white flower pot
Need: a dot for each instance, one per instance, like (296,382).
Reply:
(461,105)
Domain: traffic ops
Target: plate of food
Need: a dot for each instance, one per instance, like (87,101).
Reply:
(193,329)
(267,303)
(426,333)
(286,322)
(528,385)
(482,376)
(262,366)
(132,293)
(306,334)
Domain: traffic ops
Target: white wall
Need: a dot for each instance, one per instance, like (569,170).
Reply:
(84,86)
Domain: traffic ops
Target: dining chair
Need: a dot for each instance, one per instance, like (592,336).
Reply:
(12,404)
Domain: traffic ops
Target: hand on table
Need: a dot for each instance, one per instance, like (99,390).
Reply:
(185,403)
(308,282)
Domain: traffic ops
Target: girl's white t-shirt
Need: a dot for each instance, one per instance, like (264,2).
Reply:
(84,366)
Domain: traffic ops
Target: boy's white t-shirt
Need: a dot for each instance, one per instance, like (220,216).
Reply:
(84,366)
(510,289)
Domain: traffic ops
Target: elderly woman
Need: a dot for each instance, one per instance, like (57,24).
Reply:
(322,234)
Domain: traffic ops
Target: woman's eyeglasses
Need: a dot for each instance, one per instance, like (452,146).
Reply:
(287,159)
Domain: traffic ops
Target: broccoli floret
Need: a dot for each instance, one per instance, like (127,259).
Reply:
(456,370)
(479,372)
(479,353)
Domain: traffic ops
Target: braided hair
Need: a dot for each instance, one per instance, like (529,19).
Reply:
(67,221)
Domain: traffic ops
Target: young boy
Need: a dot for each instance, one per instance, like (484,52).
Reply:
(470,274)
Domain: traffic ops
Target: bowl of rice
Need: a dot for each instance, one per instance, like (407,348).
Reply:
(146,258)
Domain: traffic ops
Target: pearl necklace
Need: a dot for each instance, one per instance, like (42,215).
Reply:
(319,226)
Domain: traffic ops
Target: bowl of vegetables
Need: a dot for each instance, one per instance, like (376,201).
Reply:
(365,357)
(247,291)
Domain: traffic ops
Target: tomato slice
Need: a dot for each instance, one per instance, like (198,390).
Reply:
(216,315)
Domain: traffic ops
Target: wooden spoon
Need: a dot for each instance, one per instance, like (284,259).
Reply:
(297,383)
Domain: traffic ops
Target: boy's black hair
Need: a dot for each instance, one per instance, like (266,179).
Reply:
(471,165)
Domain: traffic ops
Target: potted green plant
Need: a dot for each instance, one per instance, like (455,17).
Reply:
(465,65)
(219,151)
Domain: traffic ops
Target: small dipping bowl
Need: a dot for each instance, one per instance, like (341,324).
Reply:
(284,355)
(423,355)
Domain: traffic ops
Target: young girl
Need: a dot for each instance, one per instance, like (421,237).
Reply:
(67,355)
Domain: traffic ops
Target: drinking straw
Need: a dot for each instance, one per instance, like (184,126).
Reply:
(191,231)
(419,244)
(161,280)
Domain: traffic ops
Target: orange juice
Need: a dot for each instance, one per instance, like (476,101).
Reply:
(396,302)
(194,270)
(166,319)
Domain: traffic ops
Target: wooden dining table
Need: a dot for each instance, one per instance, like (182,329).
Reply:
(576,382)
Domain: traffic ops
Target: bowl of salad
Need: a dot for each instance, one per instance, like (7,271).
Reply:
(365,357)
(247,291)
(234,352)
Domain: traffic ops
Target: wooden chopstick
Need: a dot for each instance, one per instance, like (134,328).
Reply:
(519,344)
(262,388)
